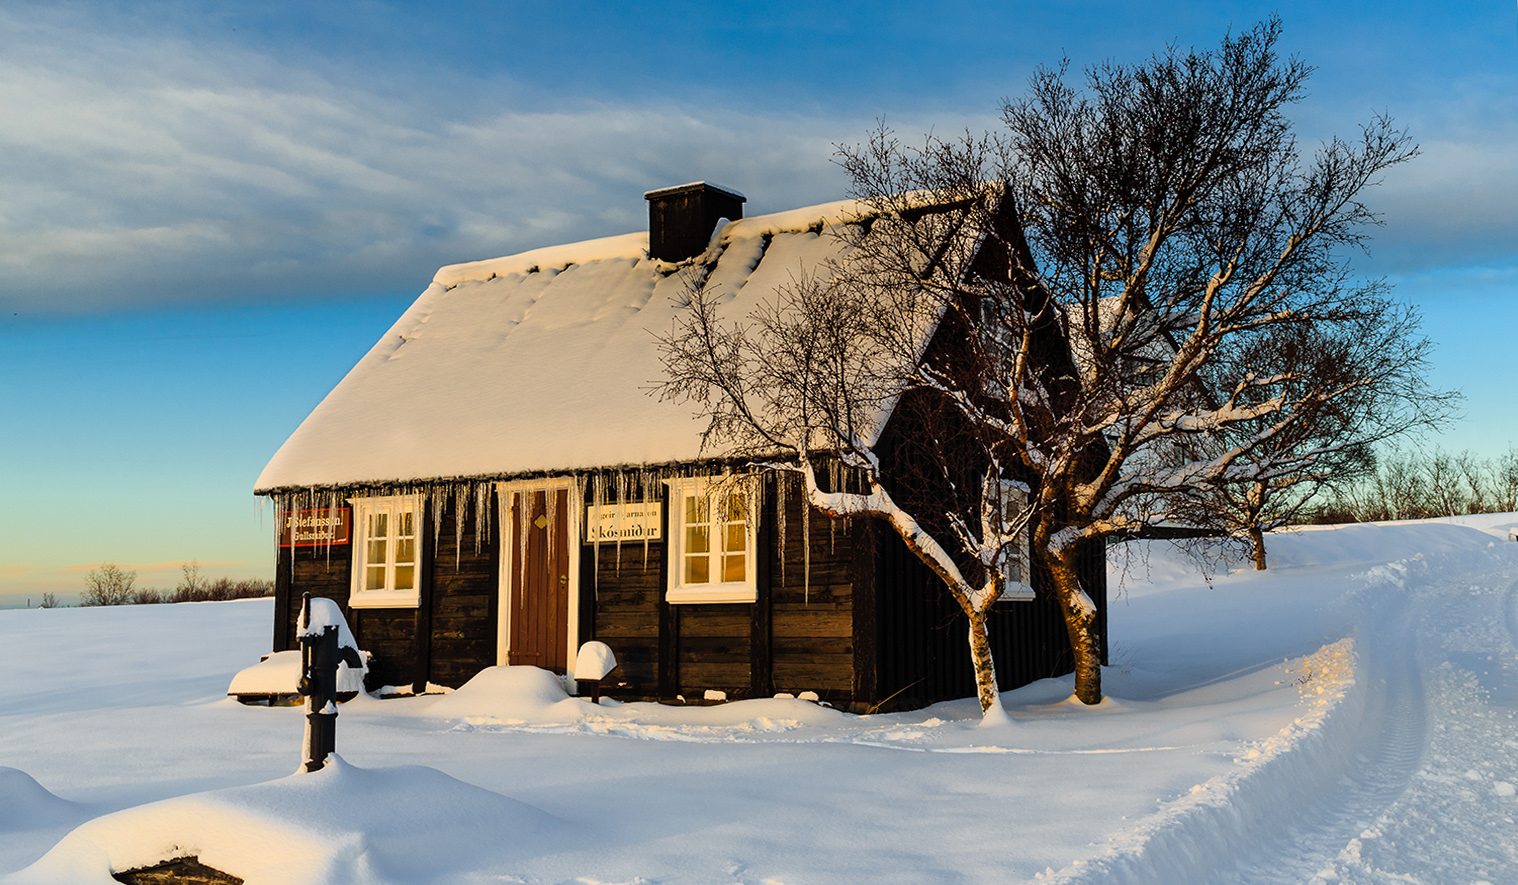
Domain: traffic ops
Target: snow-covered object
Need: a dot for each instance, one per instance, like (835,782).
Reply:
(339,824)
(594,661)
(509,694)
(279,673)
(325,613)
(550,339)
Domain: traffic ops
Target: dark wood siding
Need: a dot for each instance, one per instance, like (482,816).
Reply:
(625,590)
(812,609)
(712,650)
(463,577)
(924,646)
(320,571)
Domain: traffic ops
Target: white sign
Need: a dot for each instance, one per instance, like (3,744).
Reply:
(633,521)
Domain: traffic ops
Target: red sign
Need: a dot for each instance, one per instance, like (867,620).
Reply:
(316,528)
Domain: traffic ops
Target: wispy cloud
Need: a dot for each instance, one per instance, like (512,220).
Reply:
(148,172)
(149,168)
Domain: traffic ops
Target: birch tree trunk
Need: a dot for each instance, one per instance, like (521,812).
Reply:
(980,655)
(1257,547)
(1080,626)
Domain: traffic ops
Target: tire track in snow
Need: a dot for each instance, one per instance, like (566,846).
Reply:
(1389,739)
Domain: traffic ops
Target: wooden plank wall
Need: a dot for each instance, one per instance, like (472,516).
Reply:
(625,597)
(924,650)
(321,571)
(464,577)
(798,637)
(812,610)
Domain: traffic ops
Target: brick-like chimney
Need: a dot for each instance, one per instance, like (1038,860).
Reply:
(681,219)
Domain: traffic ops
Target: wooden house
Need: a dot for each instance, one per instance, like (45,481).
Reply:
(494,484)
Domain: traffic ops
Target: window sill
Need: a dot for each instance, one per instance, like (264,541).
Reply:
(710,593)
(384,599)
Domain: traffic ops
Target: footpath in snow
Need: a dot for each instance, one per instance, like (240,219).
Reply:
(1347,716)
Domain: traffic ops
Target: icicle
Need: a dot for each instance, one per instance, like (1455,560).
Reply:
(550,531)
(598,501)
(806,553)
(646,487)
(576,504)
(434,513)
(782,481)
(456,492)
(621,506)
(481,513)
(524,522)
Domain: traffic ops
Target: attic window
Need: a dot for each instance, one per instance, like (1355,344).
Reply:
(387,559)
(711,549)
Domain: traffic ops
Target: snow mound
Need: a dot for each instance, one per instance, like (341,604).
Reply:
(515,695)
(529,696)
(338,825)
(26,804)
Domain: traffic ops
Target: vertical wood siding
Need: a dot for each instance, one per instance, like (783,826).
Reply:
(463,578)
(924,649)
(626,594)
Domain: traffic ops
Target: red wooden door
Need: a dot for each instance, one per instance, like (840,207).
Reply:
(539,602)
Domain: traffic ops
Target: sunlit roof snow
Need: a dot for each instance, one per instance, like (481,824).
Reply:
(540,362)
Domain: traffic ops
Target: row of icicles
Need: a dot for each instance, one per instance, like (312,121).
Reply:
(632,485)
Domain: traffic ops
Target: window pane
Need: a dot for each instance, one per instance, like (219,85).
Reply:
(735,539)
(733,509)
(374,577)
(732,568)
(404,520)
(375,552)
(405,550)
(378,525)
(696,509)
(404,577)
(697,570)
(696,539)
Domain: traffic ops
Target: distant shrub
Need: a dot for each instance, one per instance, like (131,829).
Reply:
(108,585)
(194,588)
(49,600)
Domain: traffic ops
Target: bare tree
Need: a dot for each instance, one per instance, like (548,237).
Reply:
(192,587)
(1083,276)
(108,585)
(1363,382)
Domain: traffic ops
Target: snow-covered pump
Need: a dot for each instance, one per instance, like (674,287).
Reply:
(325,642)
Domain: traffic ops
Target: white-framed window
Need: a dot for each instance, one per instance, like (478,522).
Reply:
(387,558)
(1016,560)
(712,529)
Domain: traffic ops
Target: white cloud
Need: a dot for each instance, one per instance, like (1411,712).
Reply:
(146,171)
(145,168)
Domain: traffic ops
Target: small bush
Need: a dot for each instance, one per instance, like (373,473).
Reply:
(108,585)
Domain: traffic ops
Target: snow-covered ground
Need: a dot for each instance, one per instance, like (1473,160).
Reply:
(1346,717)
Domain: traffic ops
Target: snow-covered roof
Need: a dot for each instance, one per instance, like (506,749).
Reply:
(540,362)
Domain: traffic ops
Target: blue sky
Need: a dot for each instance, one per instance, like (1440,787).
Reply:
(211,211)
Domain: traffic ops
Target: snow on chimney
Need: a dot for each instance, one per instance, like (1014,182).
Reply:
(681,219)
